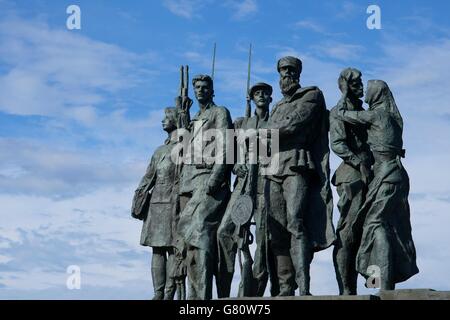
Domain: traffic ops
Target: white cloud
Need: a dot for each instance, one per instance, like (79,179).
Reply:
(42,237)
(242,9)
(59,73)
(35,168)
(314,26)
(310,25)
(185,8)
(347,9)
(191,9)
(339,50)
(416,71)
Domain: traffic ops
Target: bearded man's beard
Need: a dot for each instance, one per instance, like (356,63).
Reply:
(288,84)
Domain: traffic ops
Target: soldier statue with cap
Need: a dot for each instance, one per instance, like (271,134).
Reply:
(298,193)
(247,198)
(204,189)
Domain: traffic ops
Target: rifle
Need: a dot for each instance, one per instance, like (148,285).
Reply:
(183,102)
(213,62)
(186,102)
(242,213)
(248,109)
(244,235)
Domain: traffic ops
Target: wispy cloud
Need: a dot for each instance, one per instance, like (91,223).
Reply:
(347,9)
(242,8)
(338,50)
(418,69)
(60,73)
(186,8)
(310,25)
(191,9)
(58,172)
(93,231)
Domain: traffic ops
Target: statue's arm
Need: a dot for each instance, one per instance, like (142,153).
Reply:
(218,173)
(239,167)
(307,110)
(338,141)
(149,179)
(365,118)
(184,118)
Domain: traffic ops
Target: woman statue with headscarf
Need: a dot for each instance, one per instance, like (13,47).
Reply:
(387,254)
(160,214)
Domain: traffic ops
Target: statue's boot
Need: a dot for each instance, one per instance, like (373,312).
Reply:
(170,289)
(301,258)
(223,283)
(286,275)
(158,274)
(158,283)
(383,252)
(344,265)
(170,286)
(181,288)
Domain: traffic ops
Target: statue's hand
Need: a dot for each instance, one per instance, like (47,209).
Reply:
(186,103)
(178,102)
(212,187)
(365,173)
(241,171)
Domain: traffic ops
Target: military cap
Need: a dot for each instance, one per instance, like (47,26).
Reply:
(290,61)
(258,86)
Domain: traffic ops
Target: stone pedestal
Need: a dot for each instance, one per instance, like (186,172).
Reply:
(414,294)
(400,294)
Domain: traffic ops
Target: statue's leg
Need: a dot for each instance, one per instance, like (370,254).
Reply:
(273,273)
(260,265)
(200,273)
(226,255)
(347,242)
(295,191)
(279,241)
(170,288)
(191,273)
(182,286)
(158,272)
(285,273)
(385,260)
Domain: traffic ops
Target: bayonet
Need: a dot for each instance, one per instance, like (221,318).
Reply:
(213,62)
(248,109)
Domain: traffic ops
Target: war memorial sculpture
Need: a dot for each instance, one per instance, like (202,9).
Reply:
(197,224)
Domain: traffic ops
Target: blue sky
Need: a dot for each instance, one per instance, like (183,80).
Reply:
(80,115)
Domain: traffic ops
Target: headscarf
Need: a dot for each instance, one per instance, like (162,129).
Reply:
(379,96)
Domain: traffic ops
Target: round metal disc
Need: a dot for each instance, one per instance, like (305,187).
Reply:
(242,210)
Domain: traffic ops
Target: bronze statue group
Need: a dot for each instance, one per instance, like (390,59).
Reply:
(197,224)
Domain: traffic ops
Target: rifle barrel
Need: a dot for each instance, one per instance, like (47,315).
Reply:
(249,68)
(248,108)
(187,80)
(213,62)
(181,80)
